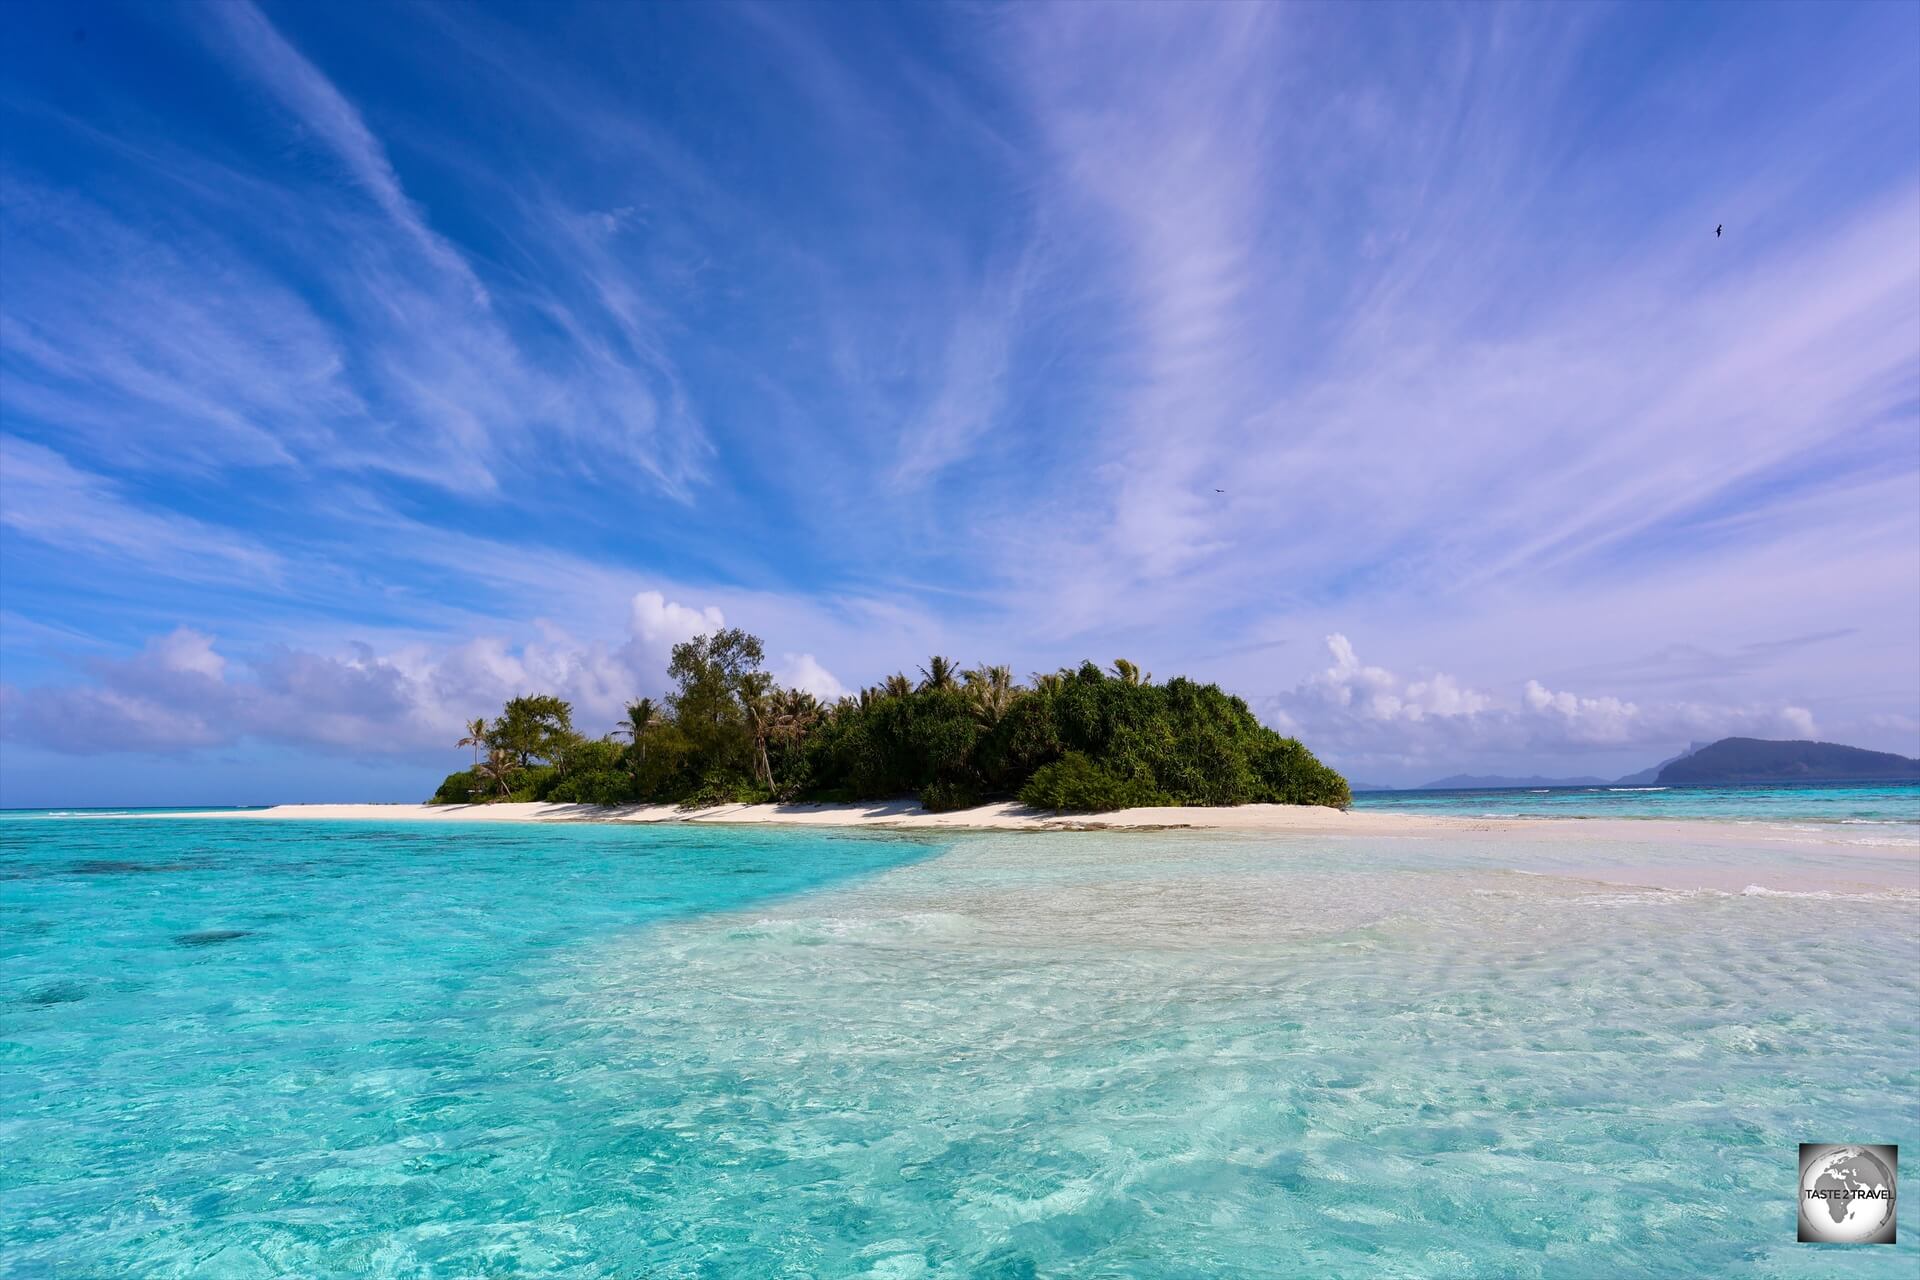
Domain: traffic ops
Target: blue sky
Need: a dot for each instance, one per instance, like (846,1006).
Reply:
(361,366)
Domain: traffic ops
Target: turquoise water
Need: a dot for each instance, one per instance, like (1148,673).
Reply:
(1865,803)
(255,1048)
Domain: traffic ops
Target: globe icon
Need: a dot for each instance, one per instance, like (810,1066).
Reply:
(1846,1196)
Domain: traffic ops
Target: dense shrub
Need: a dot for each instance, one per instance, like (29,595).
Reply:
(591,772)
(1076,784)
(1290,774)
(534,783)
(942,796)
(724,786)
(461,788)
(1082,739)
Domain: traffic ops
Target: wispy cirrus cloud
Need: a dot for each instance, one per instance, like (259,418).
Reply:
(302,322)
(1020,334)
(158,348)
(242,32)
(970,396)
(1476,393)
(47,499)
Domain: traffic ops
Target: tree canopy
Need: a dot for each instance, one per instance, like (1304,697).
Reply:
(1079,739)
(532,729)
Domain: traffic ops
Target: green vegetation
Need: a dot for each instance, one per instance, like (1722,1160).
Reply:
(1076,739)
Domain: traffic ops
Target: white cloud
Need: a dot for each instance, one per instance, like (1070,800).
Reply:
(48,499)
(1353,711)
(970,396)
(1797,722)
(179,692)
(1374,693)
(660,623)
(1586,719)
(188,650)
(1355,307)
(803,671)
(260,50)
(1423,389)
(1604,721)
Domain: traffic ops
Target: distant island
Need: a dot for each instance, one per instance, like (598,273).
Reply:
(1650,775)
(1737,760)
(1079,739)
(1726,762)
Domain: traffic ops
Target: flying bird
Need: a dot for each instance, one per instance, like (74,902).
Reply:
(1219,490)
(1717,230)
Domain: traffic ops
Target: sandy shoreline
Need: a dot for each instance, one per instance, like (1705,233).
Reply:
(1273,819)
(896,814)
(906,815)
(1665,853)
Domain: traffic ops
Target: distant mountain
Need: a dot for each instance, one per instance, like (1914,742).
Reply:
(1493,782)
(1370,786)
(1758,760)
(1647,777)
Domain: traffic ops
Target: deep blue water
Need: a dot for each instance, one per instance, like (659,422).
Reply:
(244,1047)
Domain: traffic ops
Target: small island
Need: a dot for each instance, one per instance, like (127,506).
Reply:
(1082,739)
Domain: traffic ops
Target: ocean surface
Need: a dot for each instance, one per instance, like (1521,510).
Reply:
(255,1048)
(1853,803)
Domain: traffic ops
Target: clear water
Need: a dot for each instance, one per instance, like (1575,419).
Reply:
(251,1048)
(1862,803)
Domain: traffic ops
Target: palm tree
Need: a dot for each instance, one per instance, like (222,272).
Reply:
(476,737)
(1049,683)
(755,688)
(642,717)
(795,712)
(938,673)
(896,686)
(992,692)
(497,768)
(1128,673)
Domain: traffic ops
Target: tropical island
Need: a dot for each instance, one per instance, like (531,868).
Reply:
(1082,739)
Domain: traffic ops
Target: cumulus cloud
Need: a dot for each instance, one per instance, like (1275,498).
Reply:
(660,623)
(1374,693)
(1354,711)
(185,649)
(1589,719)
(803,671)
(169,696)
(180,692)
(1613,721)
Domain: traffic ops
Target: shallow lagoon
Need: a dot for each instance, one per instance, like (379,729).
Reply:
(250,1048)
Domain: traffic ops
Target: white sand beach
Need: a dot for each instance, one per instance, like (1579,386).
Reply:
(901,814)
(1680,854)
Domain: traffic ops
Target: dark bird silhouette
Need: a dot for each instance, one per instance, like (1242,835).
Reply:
(1219,490)
(1717,230)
